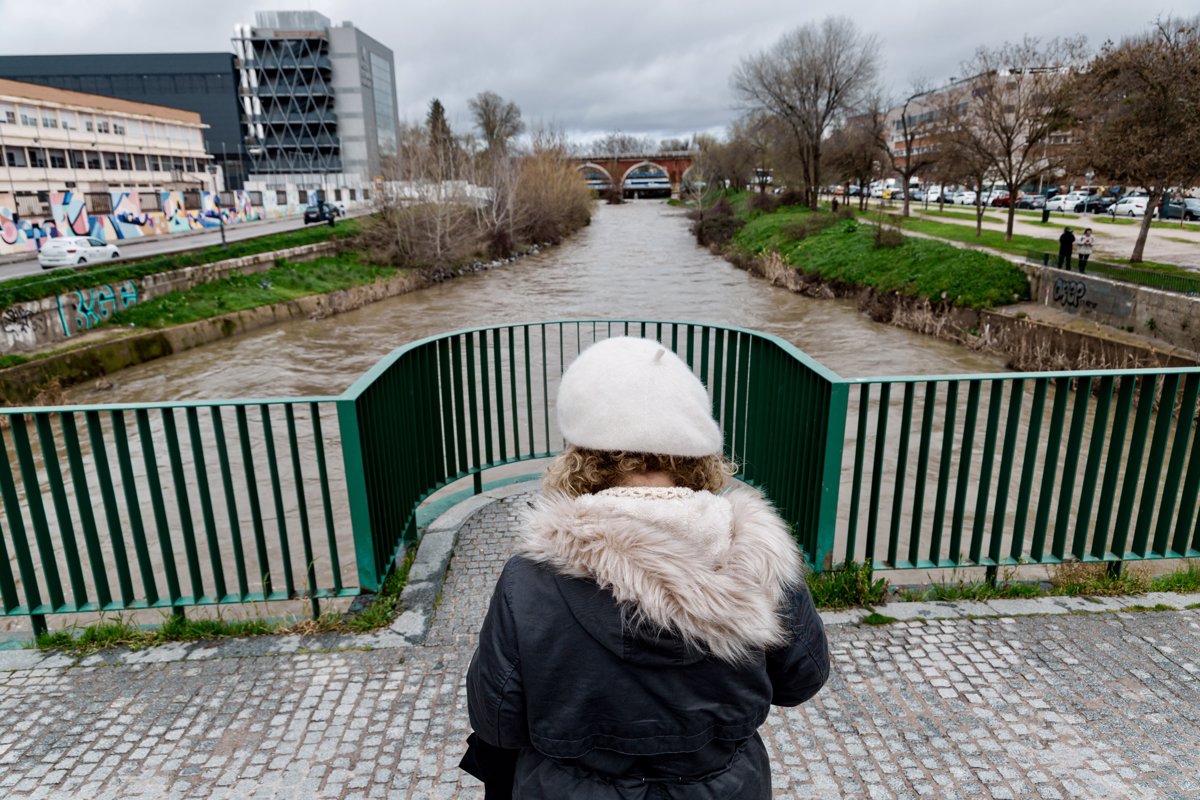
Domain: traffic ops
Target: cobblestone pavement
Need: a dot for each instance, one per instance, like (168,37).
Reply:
(1067,706)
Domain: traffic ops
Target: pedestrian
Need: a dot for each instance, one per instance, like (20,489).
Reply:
(1086,242)
(651,615)
(1064,248)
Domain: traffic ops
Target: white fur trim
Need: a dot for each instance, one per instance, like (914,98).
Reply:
(634,395)
(713,569)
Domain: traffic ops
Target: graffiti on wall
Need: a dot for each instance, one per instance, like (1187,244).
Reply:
(127,219)
(84,309)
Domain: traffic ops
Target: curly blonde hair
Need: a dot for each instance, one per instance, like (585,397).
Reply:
(578,470)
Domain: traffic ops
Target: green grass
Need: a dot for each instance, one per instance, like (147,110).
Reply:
(1020,244)
(1192,607)
(878,619)
(120,632)
(852,585)
(36,287)
(1093,579)
(972,590)
(964,216)
(1156,607)
(919,268)
(287,281)
(1184,581)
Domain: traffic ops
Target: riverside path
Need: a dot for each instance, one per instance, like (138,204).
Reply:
(1011,699)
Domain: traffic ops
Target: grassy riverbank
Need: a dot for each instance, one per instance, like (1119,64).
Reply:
(843,250)
(35,287)
(286,281)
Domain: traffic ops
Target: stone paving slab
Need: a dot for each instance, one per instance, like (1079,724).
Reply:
(1052,705)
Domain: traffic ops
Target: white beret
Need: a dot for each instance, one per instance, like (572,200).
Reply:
(634,395)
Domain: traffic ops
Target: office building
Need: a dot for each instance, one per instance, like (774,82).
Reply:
(204,83)
(318,101)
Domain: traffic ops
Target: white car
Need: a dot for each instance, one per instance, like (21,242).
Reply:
(1066,202)
(1130,206)
(70,250)
(964,198)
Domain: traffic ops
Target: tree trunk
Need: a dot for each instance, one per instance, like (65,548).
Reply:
(1144,228)
(1012,213)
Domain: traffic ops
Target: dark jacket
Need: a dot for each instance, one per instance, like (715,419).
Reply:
(1065,243)
(602,701)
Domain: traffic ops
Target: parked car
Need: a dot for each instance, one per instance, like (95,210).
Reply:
(1064,202)
(1133,205)
(70,250)
(1095,204)
(1031,201)
(1000,201)
(320,212)
(965,198)
(1188,208)
(916,194)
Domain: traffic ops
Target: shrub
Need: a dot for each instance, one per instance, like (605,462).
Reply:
(717,224)
(852,585)
(887,237)
(766,203)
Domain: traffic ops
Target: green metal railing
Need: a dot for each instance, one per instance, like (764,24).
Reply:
(1033,468)
(164,506)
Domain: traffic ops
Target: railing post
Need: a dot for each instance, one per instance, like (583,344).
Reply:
(357,496)
(831,476)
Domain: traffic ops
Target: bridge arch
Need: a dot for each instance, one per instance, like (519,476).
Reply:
(590,169)
(639,165)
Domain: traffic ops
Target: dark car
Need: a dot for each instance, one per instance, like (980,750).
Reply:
(1095,204)
(320,212)
(1188,208)
(1001,201)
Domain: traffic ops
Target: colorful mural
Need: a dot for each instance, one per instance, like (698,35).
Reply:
(70,216)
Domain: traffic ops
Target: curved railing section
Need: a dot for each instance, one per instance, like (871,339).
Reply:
(164,506)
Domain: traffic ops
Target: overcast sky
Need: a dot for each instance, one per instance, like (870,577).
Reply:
(647,67)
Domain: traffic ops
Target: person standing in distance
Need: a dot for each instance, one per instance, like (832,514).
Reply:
(651,616)
(1086,243)
(1065,243)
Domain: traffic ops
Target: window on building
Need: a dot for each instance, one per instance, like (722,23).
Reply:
(77,159)
(150,201)
(366,194)
(337,194)
(189,164)
(280,197)
(28,120)
(139,162)
(93,159)
(110,160)
(58,159)
(303,197)
(152,163)
(14,156)
(125,161)
(8,117)
(352,193)
(49,121)
(89,126)
(102,126)
(191,199)
(37,157)
(256,198)
(99,202)
(118,129)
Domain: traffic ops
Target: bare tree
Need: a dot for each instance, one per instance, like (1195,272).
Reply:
(499,121)
(1016,97)
(852,153)
(809,79)
(919,125)
(1139,108)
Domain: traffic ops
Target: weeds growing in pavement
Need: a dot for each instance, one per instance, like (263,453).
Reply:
(852,585)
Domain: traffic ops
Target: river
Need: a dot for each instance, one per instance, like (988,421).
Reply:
(635,261)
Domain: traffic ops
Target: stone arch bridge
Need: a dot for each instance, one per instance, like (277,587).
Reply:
(638,174)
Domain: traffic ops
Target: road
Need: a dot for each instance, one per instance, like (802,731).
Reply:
(137,248)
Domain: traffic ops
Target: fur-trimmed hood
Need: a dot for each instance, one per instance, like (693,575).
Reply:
(712,570)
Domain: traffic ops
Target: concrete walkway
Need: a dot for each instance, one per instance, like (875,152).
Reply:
(957,701)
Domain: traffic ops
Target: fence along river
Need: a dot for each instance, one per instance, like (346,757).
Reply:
(635,262)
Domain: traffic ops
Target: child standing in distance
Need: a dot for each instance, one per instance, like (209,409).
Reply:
(638,639)
(1086,242)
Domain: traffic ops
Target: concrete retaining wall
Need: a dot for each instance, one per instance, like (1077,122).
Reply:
(20,384)
(32,325)
(1170,317)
